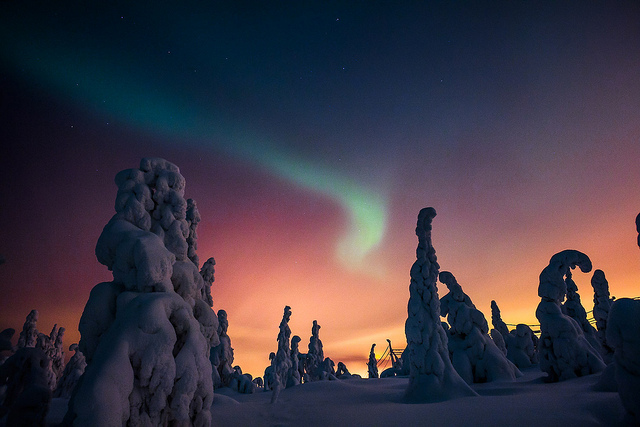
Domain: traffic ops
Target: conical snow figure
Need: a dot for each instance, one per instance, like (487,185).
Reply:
(432,377)
(473,353)
(563,349)
(146,335)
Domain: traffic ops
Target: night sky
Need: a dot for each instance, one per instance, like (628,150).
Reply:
(311,134)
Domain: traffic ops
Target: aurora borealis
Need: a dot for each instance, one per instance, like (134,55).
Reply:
(311,135)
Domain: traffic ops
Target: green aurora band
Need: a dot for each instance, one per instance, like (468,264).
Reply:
(146,105)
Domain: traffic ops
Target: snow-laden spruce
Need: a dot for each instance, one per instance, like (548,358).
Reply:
(296,371)
(282,361)
(222,355)
(497,322)
(432,377)
(315,355)
(372,365)
(473,353)
(564,351)
(146,335)
(601,308)
(29,335)
(573,308)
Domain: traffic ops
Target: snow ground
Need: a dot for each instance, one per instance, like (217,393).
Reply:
(377,402)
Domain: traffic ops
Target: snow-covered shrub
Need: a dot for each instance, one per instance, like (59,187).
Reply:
(473,353)
(372,365)
(146,335)
(623,334)
(564,351)
(432,377)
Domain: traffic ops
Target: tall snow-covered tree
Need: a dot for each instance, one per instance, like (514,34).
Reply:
(601,307)
(563,349)
(432,377)
(282,361)
(473,353)
(146,335)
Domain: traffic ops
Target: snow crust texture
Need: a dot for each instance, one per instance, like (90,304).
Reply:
(563,348)
(432,377)
(146,335)
(473,353)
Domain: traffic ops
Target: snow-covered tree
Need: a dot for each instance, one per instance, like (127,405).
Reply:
(573,308)
(473,353)
(52,347)
(269,379)
(498,339)
(29,335)
(222,355)
(564,351)
(372,365)
(623,334)
(71,374)
(282,361)
(432,377)
(146,335)
(601,307)
(497,322)
(294,377)
(522,350)
(315,356)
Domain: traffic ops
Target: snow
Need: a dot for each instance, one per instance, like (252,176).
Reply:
(528,401)
(563,349)
(623,334)
(147,335)
(432,377)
